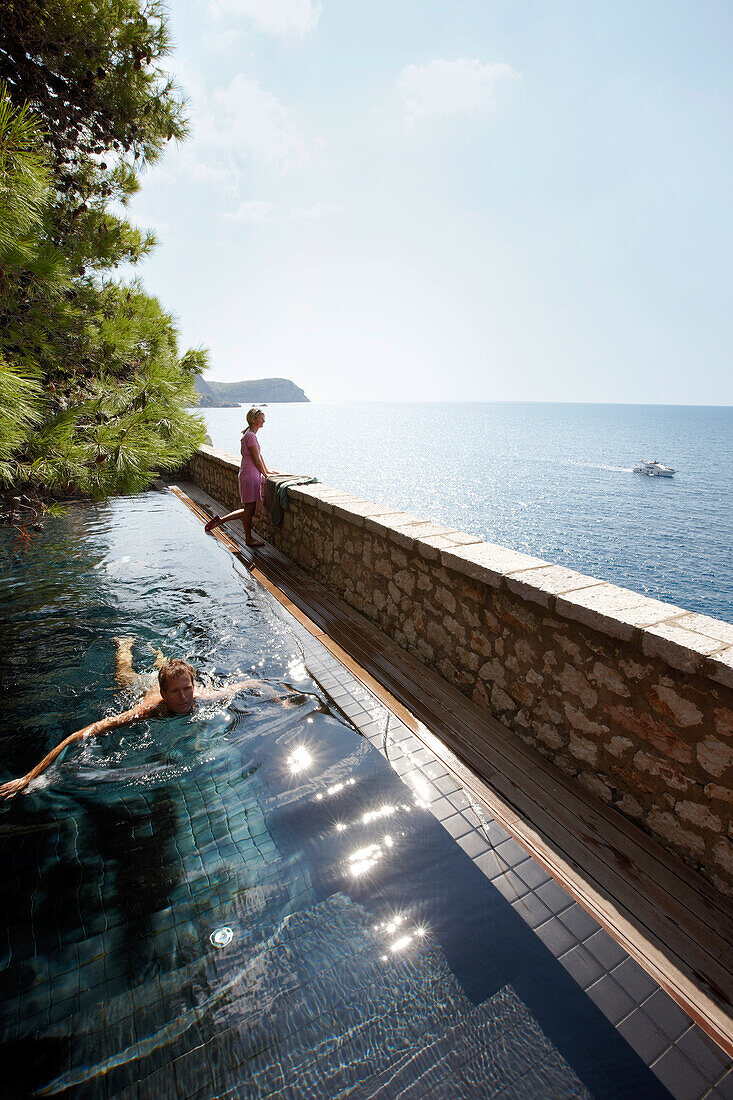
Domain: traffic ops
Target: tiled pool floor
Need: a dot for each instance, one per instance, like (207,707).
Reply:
(685,1060)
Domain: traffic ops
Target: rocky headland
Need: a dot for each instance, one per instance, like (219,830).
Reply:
(228,395)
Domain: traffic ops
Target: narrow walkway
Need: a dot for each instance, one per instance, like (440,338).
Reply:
(666,917)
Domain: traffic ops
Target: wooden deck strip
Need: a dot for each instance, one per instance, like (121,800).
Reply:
(667,917)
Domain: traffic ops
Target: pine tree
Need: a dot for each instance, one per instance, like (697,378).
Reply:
(93,392)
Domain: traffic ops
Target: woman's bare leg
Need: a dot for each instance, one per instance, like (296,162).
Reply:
(249,511)
(216,521)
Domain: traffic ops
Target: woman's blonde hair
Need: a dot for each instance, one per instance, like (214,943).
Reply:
(252,415)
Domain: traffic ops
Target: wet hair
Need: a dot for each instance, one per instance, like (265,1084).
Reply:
(174,668)
(252,415)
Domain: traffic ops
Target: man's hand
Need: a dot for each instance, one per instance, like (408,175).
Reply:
(9,789)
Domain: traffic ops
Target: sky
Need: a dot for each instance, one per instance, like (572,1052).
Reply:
(452,200)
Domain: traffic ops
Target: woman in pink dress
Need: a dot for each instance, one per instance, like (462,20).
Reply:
(251,471)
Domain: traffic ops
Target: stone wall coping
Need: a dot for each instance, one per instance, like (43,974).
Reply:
(719,666)
(683,639)
(223,457)
(488,562)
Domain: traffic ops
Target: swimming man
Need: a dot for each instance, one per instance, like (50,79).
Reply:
(176,693)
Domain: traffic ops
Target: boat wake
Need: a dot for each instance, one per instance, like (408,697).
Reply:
(605,466)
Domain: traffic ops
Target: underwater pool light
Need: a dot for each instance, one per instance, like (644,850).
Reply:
(221,937)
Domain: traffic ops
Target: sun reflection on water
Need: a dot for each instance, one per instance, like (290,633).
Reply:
(362,861)
(300,760)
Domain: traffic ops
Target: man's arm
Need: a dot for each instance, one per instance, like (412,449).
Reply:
(104,725)
(262,688)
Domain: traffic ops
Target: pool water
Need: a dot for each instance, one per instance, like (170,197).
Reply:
(247,901)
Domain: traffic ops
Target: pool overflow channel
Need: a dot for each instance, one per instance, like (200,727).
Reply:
(682,1058)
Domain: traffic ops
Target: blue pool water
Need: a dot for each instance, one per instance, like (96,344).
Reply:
(362,952)
(554,481)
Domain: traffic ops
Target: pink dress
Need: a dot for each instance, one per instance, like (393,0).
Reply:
(250,478)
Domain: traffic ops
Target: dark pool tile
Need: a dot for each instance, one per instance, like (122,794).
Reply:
(490,864)
(613,1001)
(159,1085)
(340,695)
(354,710)
(679,1075)
(435,773)
(460,800)
(583,966)
(724,1087)
(532,910)
(666,1014)
(510,853)
(510,886)
(704,1053)
(422,789)
(580,923)
(372,728)
(496,834)
(554,935)
(36,1021)
(474,843)
(634,979)
(554,896)
(402,766)
(447,784)
(457,825)
(442,808)
(606,950)
(399,732)
(532,873)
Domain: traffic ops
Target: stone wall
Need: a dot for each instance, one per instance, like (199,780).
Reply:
(631,696)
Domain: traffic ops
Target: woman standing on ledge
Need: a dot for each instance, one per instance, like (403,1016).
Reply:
(251,471)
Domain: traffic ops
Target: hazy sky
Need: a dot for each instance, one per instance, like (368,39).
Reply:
(453,199)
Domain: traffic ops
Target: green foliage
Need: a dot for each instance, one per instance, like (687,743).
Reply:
(90,70)
(93,391)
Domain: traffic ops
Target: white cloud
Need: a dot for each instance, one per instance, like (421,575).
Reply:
(245,120)
(450,87)
(234,128)
(253,213)
(272,16)
(256,211)
(225,41)
(315,213)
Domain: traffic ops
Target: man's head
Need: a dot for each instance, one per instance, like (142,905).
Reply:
(176,679)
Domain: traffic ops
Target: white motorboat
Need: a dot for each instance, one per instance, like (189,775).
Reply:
(653,469)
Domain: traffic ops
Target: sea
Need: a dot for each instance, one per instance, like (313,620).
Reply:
(552,480)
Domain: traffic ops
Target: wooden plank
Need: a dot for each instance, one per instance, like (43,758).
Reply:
(665,916)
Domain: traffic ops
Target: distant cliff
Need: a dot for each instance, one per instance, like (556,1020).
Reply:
(229,394)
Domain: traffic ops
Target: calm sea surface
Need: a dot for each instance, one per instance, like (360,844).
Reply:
(555,481)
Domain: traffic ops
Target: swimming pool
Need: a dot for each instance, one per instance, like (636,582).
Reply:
(248,901)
